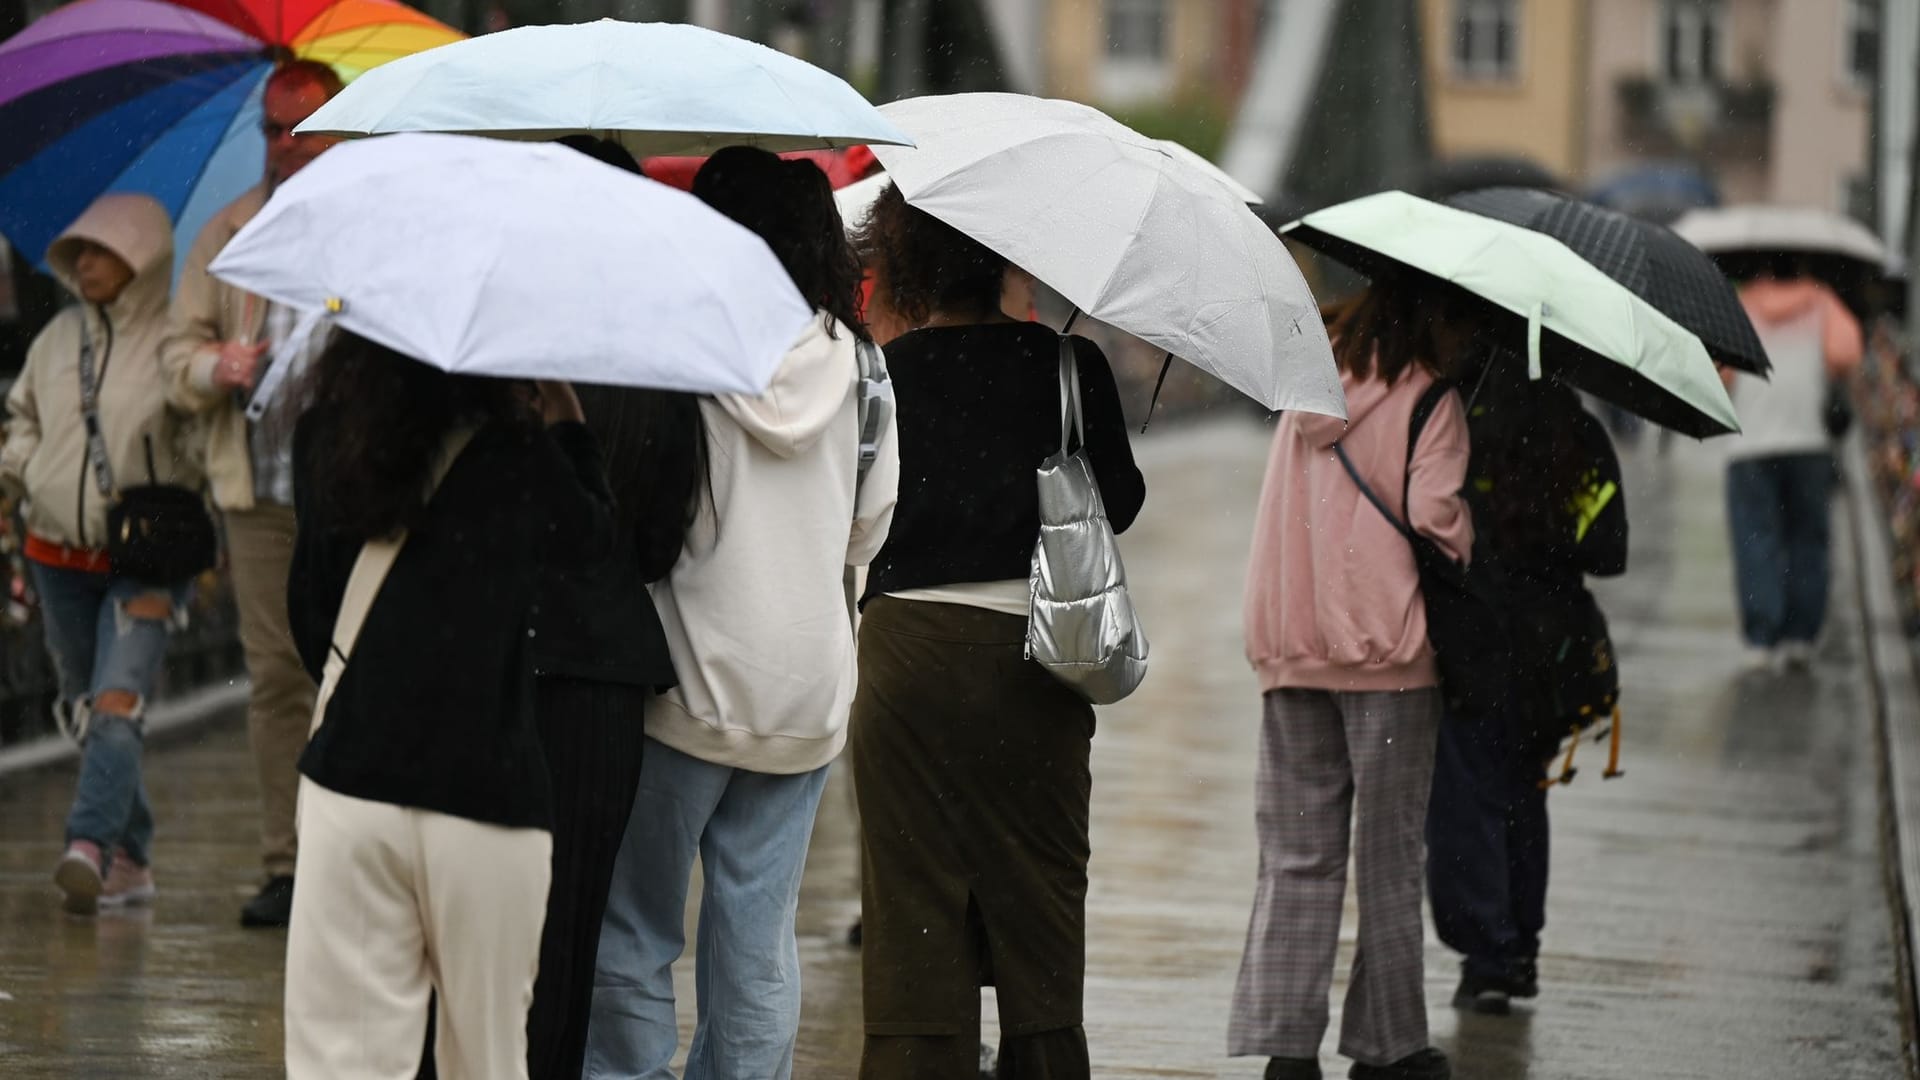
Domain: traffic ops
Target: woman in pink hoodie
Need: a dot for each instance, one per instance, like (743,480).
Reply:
(1337,630)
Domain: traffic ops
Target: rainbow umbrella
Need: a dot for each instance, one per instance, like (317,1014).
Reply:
(164,98)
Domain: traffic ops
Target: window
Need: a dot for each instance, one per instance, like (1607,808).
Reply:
(1692,35)
(1486,39)
(1137,30)
(1862,41)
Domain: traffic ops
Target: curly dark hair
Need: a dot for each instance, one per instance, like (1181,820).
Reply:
(925,264)
(389,415)
(790,205)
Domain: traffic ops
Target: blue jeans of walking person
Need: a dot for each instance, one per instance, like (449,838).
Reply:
(750,831)
(1777,518)
(98,646)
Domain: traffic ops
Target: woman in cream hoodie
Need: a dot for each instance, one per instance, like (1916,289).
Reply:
(756,620)
(107,633)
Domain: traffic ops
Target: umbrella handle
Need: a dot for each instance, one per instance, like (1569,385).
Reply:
(1534,320)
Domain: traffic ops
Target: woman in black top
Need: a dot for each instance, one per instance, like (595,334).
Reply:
(1549,510)
(424,798)
(971,763)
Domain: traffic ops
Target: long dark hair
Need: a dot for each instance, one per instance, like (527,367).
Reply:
(790,205)
(389,415)
(925,264)
(1389,328)
(653,441)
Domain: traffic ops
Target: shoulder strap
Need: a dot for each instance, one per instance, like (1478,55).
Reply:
(1416,424)
(1372,497)
(875,397)
(1071,419)
(370,569)
(90,380)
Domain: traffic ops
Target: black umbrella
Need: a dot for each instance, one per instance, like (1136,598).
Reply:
(1651,260)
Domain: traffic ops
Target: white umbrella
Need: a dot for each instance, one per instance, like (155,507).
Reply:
(857,199)
(1240,191)
(659,88)
(521,260)
(1762,229)
(1132,235)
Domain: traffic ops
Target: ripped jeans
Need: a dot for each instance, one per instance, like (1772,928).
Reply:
(108,637)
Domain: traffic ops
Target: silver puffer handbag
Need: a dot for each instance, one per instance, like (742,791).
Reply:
(1081,625)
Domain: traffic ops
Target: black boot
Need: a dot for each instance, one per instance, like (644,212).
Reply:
(271,906)
(1483,994)
(1428,1064)
(1293,1069)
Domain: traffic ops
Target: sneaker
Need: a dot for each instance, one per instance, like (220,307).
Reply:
(272,906)
(1283,1068)
(128,883)
(79,877)
(1428,1064)
(1486,996)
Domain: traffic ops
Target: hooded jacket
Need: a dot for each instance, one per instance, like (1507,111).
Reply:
(755,611)
(1333,595)
(46,457)
(207,311)
(1810,338)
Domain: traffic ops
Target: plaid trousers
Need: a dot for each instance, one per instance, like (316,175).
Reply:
(1338,770)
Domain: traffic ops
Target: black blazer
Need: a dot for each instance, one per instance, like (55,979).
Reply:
(434,710)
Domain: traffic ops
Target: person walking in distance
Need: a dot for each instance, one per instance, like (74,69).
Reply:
(87,417)
(1781,473)
(217,350)
(756,621)
(1336,628)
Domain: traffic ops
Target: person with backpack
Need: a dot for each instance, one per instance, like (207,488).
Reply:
(87,419)
(756,619)
(1549,510)
(1336,630)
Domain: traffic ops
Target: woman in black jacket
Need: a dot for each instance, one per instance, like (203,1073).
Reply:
(971,763)
(425,802)
(1549,510)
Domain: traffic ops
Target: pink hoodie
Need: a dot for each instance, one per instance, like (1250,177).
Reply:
(1333,596)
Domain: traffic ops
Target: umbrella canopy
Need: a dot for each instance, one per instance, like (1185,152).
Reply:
(1578,324)
(1765,230)
(658,88)
(164,99)
(1132,235)
(522,260)
(1660,191)
(1240,191)
(1649,259)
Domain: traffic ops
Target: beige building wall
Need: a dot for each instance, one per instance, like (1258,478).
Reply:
(1539,114)
(1076,51)
(1817,130)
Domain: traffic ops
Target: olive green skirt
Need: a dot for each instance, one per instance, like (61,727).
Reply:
(971,768)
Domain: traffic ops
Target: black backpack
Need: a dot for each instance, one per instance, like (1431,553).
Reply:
(1467,624)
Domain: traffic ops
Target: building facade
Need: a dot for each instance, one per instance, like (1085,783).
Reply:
(1772,98)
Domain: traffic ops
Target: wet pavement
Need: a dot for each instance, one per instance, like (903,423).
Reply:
(1718,912)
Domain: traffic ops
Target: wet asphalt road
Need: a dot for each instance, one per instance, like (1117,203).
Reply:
(1718,912)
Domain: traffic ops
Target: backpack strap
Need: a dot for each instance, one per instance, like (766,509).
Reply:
(875,397)
(370,569)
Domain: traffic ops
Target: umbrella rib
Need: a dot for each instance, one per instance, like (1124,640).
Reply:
(225,136)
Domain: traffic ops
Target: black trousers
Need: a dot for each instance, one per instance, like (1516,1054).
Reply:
(1487,845)
(592,734)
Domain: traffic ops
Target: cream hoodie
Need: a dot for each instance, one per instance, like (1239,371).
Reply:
(755,612)
(46,456)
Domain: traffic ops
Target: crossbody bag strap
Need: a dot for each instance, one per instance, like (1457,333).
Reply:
(1372,496)
(90,380)
(1072,421)
(370,569)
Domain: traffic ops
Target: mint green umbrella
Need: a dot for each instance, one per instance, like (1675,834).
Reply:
(1579,325)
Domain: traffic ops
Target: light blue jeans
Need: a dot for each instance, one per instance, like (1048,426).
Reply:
(97,647)
(751,832)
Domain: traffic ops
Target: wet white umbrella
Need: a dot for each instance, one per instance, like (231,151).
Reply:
(1133,235)
(521,260)
(1766,229)
(658,88)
